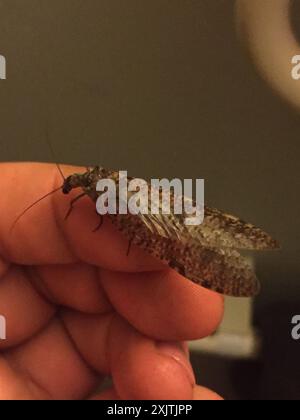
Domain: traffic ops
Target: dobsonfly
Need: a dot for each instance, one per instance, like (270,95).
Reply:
(207,254)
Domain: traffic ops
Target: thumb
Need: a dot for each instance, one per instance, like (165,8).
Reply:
(146,369)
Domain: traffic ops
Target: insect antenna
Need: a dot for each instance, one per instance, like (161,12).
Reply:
(60,171)
(48,194)
(53,154)
(32,205)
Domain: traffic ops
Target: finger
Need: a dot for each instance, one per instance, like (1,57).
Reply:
(36,237)
(4,266)
(144,369)
(50,363)
(90,334)
(108,394)
(72,285)
(25,311)
(199,393)
(164,305)
(141,368)
(204,394)
(42,236)
(15,386)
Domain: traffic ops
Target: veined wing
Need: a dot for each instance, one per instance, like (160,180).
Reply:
(222,270)
(218,230)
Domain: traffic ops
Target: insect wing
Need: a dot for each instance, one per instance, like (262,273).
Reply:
(218,230)
(222,270)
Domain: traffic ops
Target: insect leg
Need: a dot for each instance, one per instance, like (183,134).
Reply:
(129,247)
(99,226)
(72,204)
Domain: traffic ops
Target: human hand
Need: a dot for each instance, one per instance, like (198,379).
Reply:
(78,308)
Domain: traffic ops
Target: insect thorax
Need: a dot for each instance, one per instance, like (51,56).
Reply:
(87,181)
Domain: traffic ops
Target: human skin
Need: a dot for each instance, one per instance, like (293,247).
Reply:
(78,308)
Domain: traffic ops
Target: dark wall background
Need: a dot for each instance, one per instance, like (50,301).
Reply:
(161,88)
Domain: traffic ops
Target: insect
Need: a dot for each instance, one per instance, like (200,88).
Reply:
(207,254)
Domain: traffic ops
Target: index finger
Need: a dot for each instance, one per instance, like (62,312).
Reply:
(42,236)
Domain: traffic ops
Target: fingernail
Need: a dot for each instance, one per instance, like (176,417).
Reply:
(179,353)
